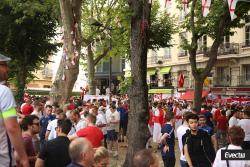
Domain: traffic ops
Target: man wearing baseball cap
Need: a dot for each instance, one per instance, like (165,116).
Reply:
(10,133)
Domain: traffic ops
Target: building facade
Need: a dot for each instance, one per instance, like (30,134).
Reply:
(229,76)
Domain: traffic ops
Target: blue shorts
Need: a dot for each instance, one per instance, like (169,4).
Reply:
(111,135)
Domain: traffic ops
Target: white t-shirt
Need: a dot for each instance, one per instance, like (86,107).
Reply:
(52,128)
(81,124)
(245,125)
(115,116)
(37,113)
(233,121)
(101,119)
(234,163)
(180,132)
(7,109)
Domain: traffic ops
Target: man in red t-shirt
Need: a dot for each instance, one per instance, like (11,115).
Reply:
(222,124)
(27,108)
(91,132)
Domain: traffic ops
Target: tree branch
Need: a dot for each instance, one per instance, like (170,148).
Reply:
(105,52)
(214,49)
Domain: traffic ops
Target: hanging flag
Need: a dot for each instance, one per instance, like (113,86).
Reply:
(231,6)
(181,80)
(205,7)
(185,6)
(168,4)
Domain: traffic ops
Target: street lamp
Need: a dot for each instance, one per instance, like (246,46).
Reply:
(96,23)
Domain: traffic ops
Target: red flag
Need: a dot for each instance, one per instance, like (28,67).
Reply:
(181,80)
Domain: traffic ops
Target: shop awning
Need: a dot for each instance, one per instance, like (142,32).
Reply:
(151,71)
(163,91)
(165,70)
(189,95)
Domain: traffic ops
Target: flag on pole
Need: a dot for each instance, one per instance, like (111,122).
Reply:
(185,6)
(231,6)
(168,3)
(205,7)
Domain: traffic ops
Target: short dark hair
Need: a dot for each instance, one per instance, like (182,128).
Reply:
(91,118)
(65,125)
(237,135)
(169,116)
(247,110)
(27,121)
(48,106)
(192,116)
(143,158)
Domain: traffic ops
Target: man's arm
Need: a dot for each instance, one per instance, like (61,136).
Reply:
(39,162)
(72,137)
(47,135)
(214,141)
(14,133)
(187,157)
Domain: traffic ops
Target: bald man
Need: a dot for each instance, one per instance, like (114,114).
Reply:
(81,153)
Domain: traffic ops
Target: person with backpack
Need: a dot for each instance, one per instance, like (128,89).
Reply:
(198,147)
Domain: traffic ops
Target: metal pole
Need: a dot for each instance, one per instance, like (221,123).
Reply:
(110,68)
(110,78)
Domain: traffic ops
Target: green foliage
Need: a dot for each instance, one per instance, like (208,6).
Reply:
(124,85)
(27,30)
(162,28)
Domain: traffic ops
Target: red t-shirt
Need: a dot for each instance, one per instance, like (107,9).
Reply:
(222,122)
(216,114)
(93,134)
(26,109)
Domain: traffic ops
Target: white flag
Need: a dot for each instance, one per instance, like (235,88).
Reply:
(168,4)
(185,6)
(231,6)
(205,7)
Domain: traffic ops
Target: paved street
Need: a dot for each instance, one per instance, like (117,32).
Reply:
(118,162)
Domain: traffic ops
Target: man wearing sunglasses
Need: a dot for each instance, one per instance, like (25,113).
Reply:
(10,133)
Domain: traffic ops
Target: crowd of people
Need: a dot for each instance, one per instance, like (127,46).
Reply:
(202,136)
(86,133)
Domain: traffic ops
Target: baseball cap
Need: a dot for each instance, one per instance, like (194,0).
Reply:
(4,58)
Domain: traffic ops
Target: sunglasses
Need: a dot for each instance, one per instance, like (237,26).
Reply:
(37,124)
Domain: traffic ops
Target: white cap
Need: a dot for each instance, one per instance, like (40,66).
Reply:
(4,58)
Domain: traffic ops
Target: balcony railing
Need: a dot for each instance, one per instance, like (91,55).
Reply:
(244,80)
(218,81)
(246,44)
(224,49)
(183,53)
(157,59)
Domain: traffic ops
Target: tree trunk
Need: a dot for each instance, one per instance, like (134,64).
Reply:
(91,71)
(21,82)
(138,132)
(198,93)
(69,66)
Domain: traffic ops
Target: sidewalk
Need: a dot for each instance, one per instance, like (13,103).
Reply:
(122,154)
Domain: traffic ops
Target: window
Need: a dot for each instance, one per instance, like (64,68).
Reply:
(223,74)
(167,53)
(246,70)
(202,44)
(167,80)
(182,39)
(247,32)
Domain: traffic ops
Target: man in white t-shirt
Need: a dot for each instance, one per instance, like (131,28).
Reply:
(78,122)
(51,128)
(38,107)
(10,132)
(236,136)
(180,132)
(234,119)
(101,122)
(113,121)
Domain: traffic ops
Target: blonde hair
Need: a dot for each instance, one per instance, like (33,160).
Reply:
(100,153)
